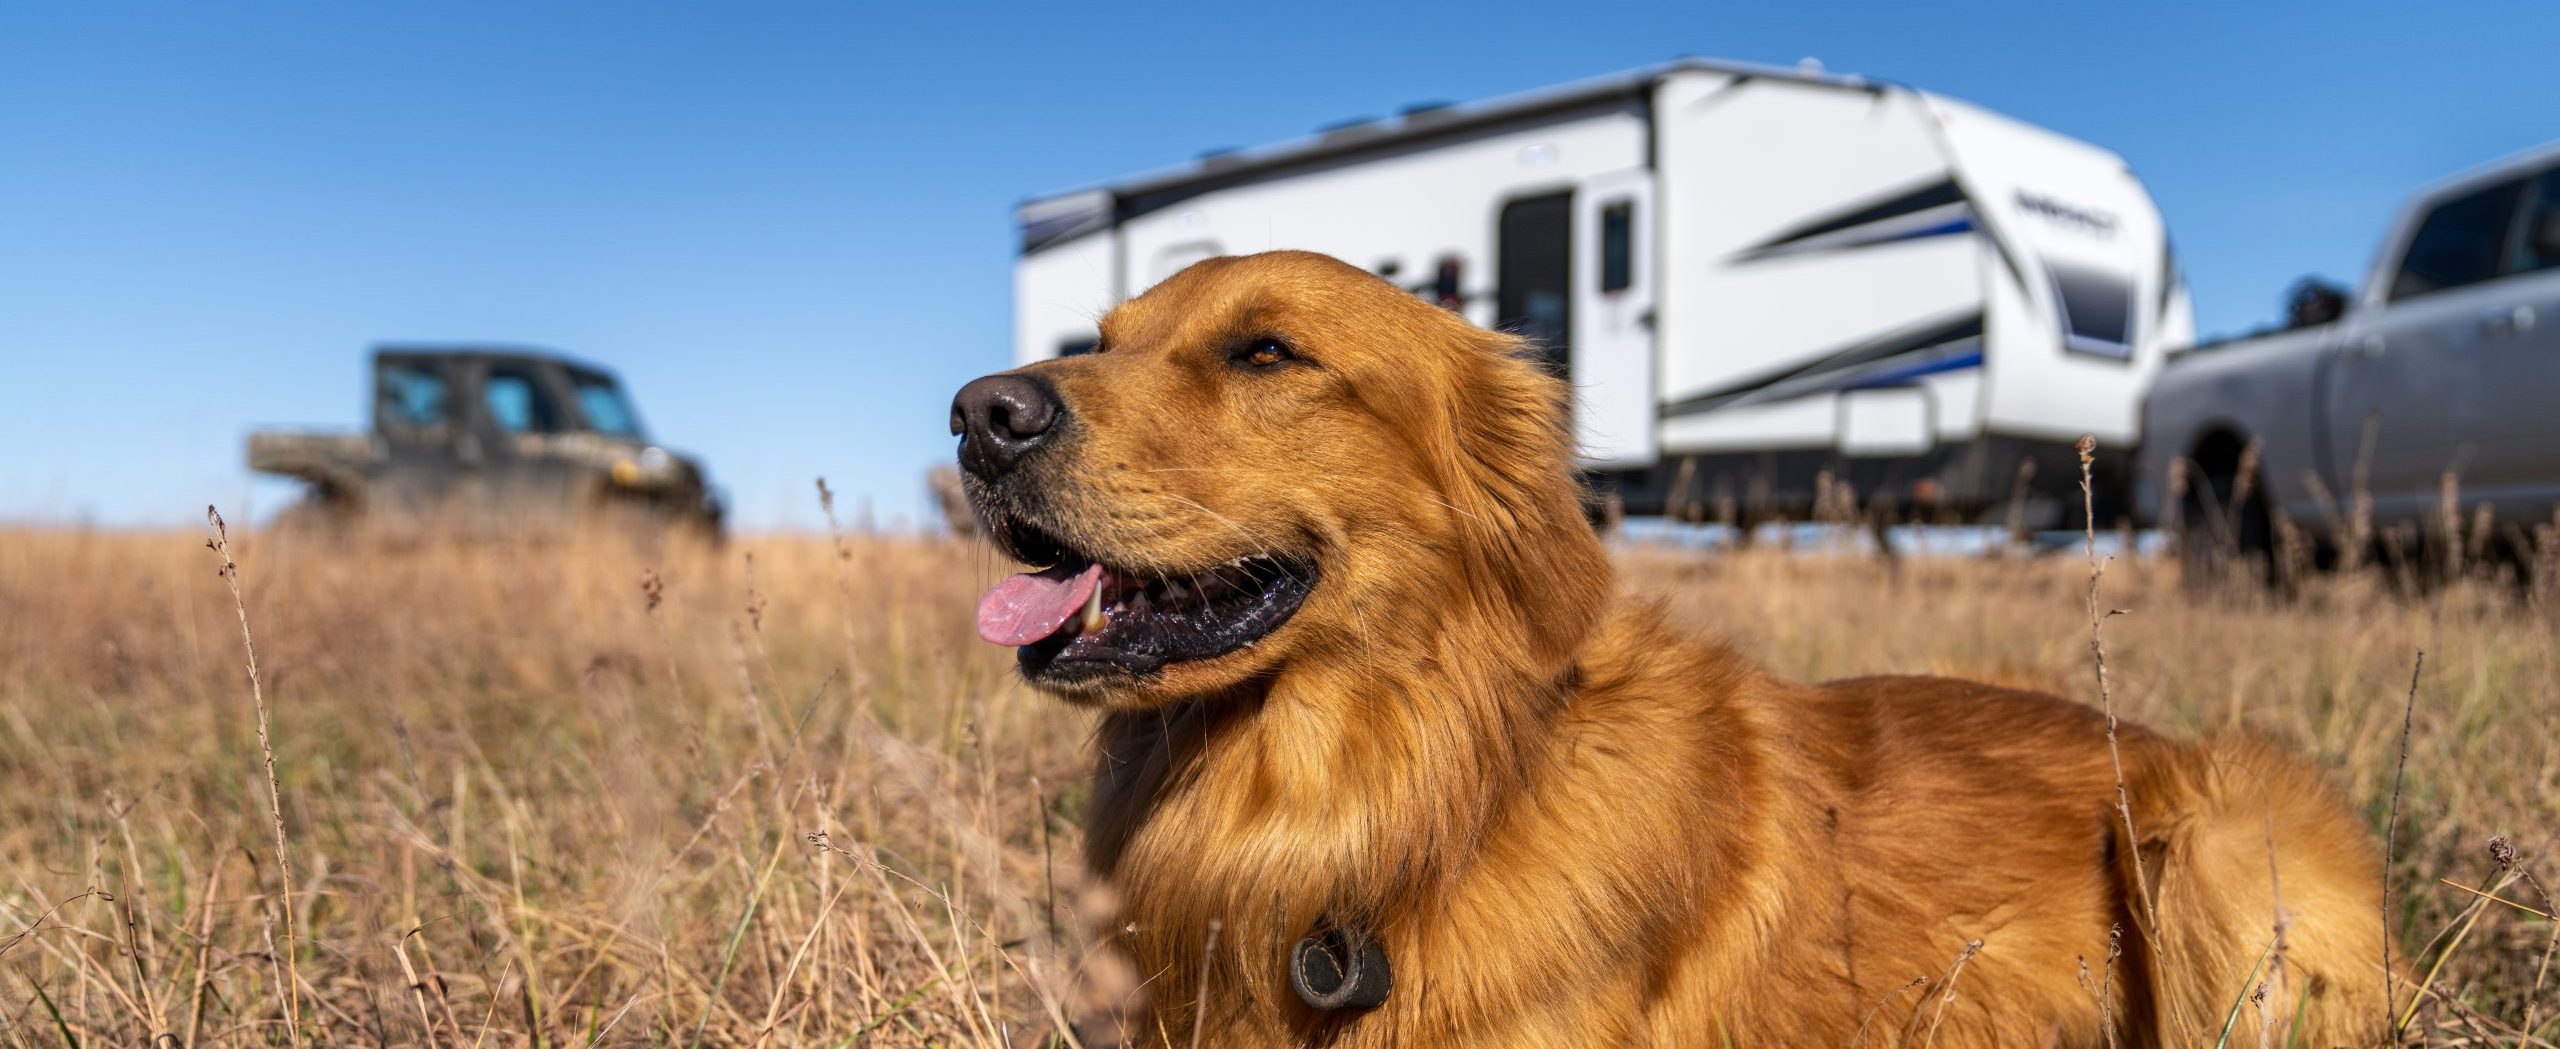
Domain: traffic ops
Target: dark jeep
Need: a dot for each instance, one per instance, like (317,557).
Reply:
(489,437)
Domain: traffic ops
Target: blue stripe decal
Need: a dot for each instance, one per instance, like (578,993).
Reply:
(1902,376)
(1943,229)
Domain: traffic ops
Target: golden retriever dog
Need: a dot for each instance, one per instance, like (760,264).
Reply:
(1388,759)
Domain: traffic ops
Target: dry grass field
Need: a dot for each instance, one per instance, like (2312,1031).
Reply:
(617,790)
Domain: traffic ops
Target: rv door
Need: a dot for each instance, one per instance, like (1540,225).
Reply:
(1533,276)
(1612,319)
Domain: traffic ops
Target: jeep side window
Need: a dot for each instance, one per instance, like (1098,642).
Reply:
(2539,247)
(2459,243)
(410,397)
(517,402)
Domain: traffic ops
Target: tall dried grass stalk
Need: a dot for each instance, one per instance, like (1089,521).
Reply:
(2391,838)
(2148,905)
(220,544)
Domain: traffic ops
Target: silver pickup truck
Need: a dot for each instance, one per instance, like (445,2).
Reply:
(2440,377)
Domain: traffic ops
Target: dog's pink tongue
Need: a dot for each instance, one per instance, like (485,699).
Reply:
(1034,605)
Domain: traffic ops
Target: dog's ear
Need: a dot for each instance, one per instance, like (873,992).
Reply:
(1511,477)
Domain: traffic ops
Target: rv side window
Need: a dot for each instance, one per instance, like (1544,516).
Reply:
(1617,246)
(1078,347)
(2459,243)
(1445,287)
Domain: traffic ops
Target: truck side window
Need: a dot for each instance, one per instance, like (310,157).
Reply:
(2459,243)
(410,396)
(2539,248)
(516,402)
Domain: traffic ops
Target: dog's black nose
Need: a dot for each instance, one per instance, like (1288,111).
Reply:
(1000,418)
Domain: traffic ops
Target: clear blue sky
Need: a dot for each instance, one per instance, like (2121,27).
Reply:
(789,225)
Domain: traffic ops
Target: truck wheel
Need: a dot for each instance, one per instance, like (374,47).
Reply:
(2225,533)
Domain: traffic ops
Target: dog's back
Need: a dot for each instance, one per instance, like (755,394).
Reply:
(1962,876)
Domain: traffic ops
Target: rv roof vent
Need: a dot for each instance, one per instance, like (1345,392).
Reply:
(1348,130)
(1427,112)
(1220,159)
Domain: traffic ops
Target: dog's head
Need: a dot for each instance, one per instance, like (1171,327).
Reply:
(1267,460)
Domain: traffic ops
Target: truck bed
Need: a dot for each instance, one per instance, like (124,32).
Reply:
(333,457)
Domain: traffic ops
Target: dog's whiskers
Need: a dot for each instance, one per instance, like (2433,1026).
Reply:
(1259,547)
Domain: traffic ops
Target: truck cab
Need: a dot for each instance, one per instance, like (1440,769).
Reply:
(2434,384)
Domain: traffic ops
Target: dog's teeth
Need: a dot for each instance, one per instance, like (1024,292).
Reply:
(1140,603)
(1175,593)
(1093,611)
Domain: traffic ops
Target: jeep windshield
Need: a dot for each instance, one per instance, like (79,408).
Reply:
(608,412)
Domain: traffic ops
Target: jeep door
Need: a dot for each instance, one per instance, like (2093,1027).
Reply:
(421,423)
(523,412)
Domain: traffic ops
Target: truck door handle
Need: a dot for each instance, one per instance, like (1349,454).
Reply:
(2500,323)
(2365,346)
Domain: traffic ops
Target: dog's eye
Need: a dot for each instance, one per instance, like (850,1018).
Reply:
(1263,353)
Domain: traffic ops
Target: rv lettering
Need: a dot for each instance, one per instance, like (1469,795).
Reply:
(2095,222)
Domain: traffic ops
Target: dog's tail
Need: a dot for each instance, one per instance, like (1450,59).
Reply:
(2256,897)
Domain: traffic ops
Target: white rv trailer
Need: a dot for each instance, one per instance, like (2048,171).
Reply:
(1752,277)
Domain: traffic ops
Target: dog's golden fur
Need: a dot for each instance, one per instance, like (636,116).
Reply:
(1571,825)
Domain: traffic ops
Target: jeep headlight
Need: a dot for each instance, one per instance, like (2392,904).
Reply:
(652,468)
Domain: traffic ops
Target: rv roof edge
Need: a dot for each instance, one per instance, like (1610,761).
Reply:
(1331,144)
